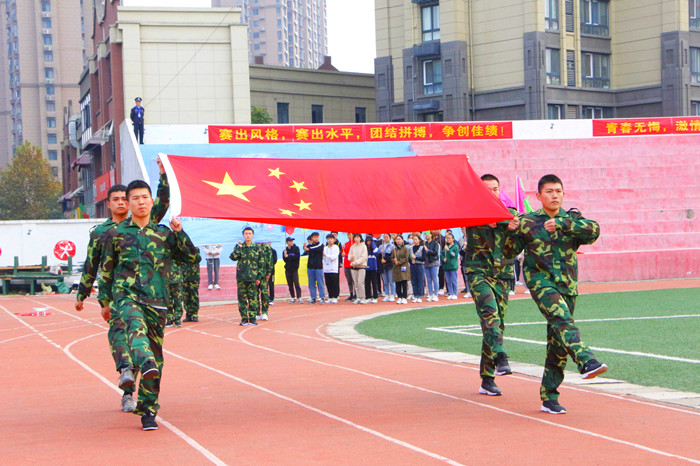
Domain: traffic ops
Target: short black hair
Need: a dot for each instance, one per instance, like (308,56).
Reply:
(117,188)
(137,184)
(330,235)
(548,179)
(248,228)
(490,177)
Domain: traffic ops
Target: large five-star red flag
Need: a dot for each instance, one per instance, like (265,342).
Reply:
(395,194)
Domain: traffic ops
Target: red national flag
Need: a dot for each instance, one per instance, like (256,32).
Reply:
(397,194)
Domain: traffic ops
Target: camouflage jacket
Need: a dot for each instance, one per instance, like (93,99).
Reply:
(136,262)
(550,258)
(251,263)
(95,245)
(190,270)
(268,259)
(484,253)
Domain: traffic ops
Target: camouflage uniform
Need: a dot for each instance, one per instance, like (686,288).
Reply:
(250,267)
(268,270)
(116,335)
(190,287)
(551,272)
(135,271)
(490,276)
(176,293)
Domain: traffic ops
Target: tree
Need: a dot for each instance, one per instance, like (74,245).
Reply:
(259,116)
(27,188)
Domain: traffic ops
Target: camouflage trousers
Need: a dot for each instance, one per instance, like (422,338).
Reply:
(248,304)
(144,329)
(191,297)
(563,338)
(491,299)
(118,344)
(264,291)
(176,302)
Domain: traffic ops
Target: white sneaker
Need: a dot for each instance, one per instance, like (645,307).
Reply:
(263,317)
(292,301)
(374,301)
(271,303)
(419,300)
(357,301)
(409,297)
(210,287)
(468,295)
(511,292)
(527,291)
(391,298)
(386,298)
(364,301)
(441,292)
(217,287)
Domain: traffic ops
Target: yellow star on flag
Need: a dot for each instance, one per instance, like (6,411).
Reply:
(276,172)
(298,186)
(229,187)
(303,205)
(286,212)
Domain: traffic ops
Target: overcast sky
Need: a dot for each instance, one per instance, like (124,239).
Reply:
(350,30)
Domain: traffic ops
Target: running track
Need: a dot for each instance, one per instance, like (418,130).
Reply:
(286,393)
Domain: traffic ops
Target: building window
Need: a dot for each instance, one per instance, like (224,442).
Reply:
(282,112)
(554,112)
(595,70)
(432,77)
(695,64)
(594,17)
(51,122)
(430,21)
(551,15)
(256,35)
(553,66)
(694,108)
(50,106)
(596,112)
(48,56)
(48,40)
(46,23)
(317,114)
(50,90)
(48,73)
(360,115)
(54,172)
(52,138)
(53,155)
(694,9)
(256,46)
(45,6)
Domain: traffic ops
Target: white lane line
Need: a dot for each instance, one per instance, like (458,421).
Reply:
(501,410)
(314,409)
(43,331)
(189,440)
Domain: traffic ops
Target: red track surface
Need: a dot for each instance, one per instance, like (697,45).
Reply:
(285,393)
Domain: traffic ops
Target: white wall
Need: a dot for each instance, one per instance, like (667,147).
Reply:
(31,239)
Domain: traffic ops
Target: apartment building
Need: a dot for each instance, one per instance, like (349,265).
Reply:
(536,59)
(42,57)
(284,32)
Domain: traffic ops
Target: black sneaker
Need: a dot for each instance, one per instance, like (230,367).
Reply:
(149,371)
(244,321)
(592,368)
(178,323)
(321,301)
(350,298)
(188,319)
(126,378)
(148,422)
(252,321)
(552,407)
(313,301)
(195,319)
(466,290)
(488,387)
(502,367)
(169,323)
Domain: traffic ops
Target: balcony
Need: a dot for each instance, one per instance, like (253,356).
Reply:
(596,83)
(50,98)
(427,49)
(48,48)
(45,14)
(595,29)
(694,23)
(46,31)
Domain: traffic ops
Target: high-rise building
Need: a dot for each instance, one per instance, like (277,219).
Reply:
(536,59)
(43,55)
(284,32)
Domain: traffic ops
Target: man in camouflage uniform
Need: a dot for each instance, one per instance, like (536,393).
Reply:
(250,272)
(269,271)
(135,273)
(190,289)
(119,209)
(174,314)
(551,237)
(490,275)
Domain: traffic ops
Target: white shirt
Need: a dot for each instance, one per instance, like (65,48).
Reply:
(330,259)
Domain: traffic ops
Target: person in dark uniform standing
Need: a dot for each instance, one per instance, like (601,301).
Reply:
(137,112)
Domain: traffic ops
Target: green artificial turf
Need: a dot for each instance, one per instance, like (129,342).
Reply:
(671,336)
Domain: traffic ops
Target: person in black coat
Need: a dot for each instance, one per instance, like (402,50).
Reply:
(290,256)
